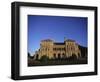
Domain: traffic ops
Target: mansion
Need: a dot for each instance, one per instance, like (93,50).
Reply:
(55,50)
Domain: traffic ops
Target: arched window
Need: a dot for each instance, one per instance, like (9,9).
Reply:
(59,56)
(74,56)
(54,55)
(63,55)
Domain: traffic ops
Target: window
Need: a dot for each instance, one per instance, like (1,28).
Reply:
(59,56)
(54,56)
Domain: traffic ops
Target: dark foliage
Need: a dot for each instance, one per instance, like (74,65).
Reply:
(83,51)
(44,58)
(29,56)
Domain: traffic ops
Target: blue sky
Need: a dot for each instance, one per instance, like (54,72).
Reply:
(55,28)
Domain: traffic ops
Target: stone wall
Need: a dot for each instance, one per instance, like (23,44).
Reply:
(57,50)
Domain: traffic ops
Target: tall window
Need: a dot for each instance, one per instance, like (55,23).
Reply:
(59,56)
(63,55)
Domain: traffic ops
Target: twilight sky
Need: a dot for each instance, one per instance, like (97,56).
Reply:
(55,28)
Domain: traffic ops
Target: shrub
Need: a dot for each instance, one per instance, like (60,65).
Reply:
(44,58)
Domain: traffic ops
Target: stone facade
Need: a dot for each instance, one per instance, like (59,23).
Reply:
(54,50)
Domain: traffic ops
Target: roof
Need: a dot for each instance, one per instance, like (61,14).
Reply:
(69,40)
(59,43)
(47,40)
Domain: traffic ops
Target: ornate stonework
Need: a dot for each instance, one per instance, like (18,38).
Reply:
(54,50)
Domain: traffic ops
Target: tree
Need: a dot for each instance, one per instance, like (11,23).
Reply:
(44,58)
(29,55)
(37,56)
